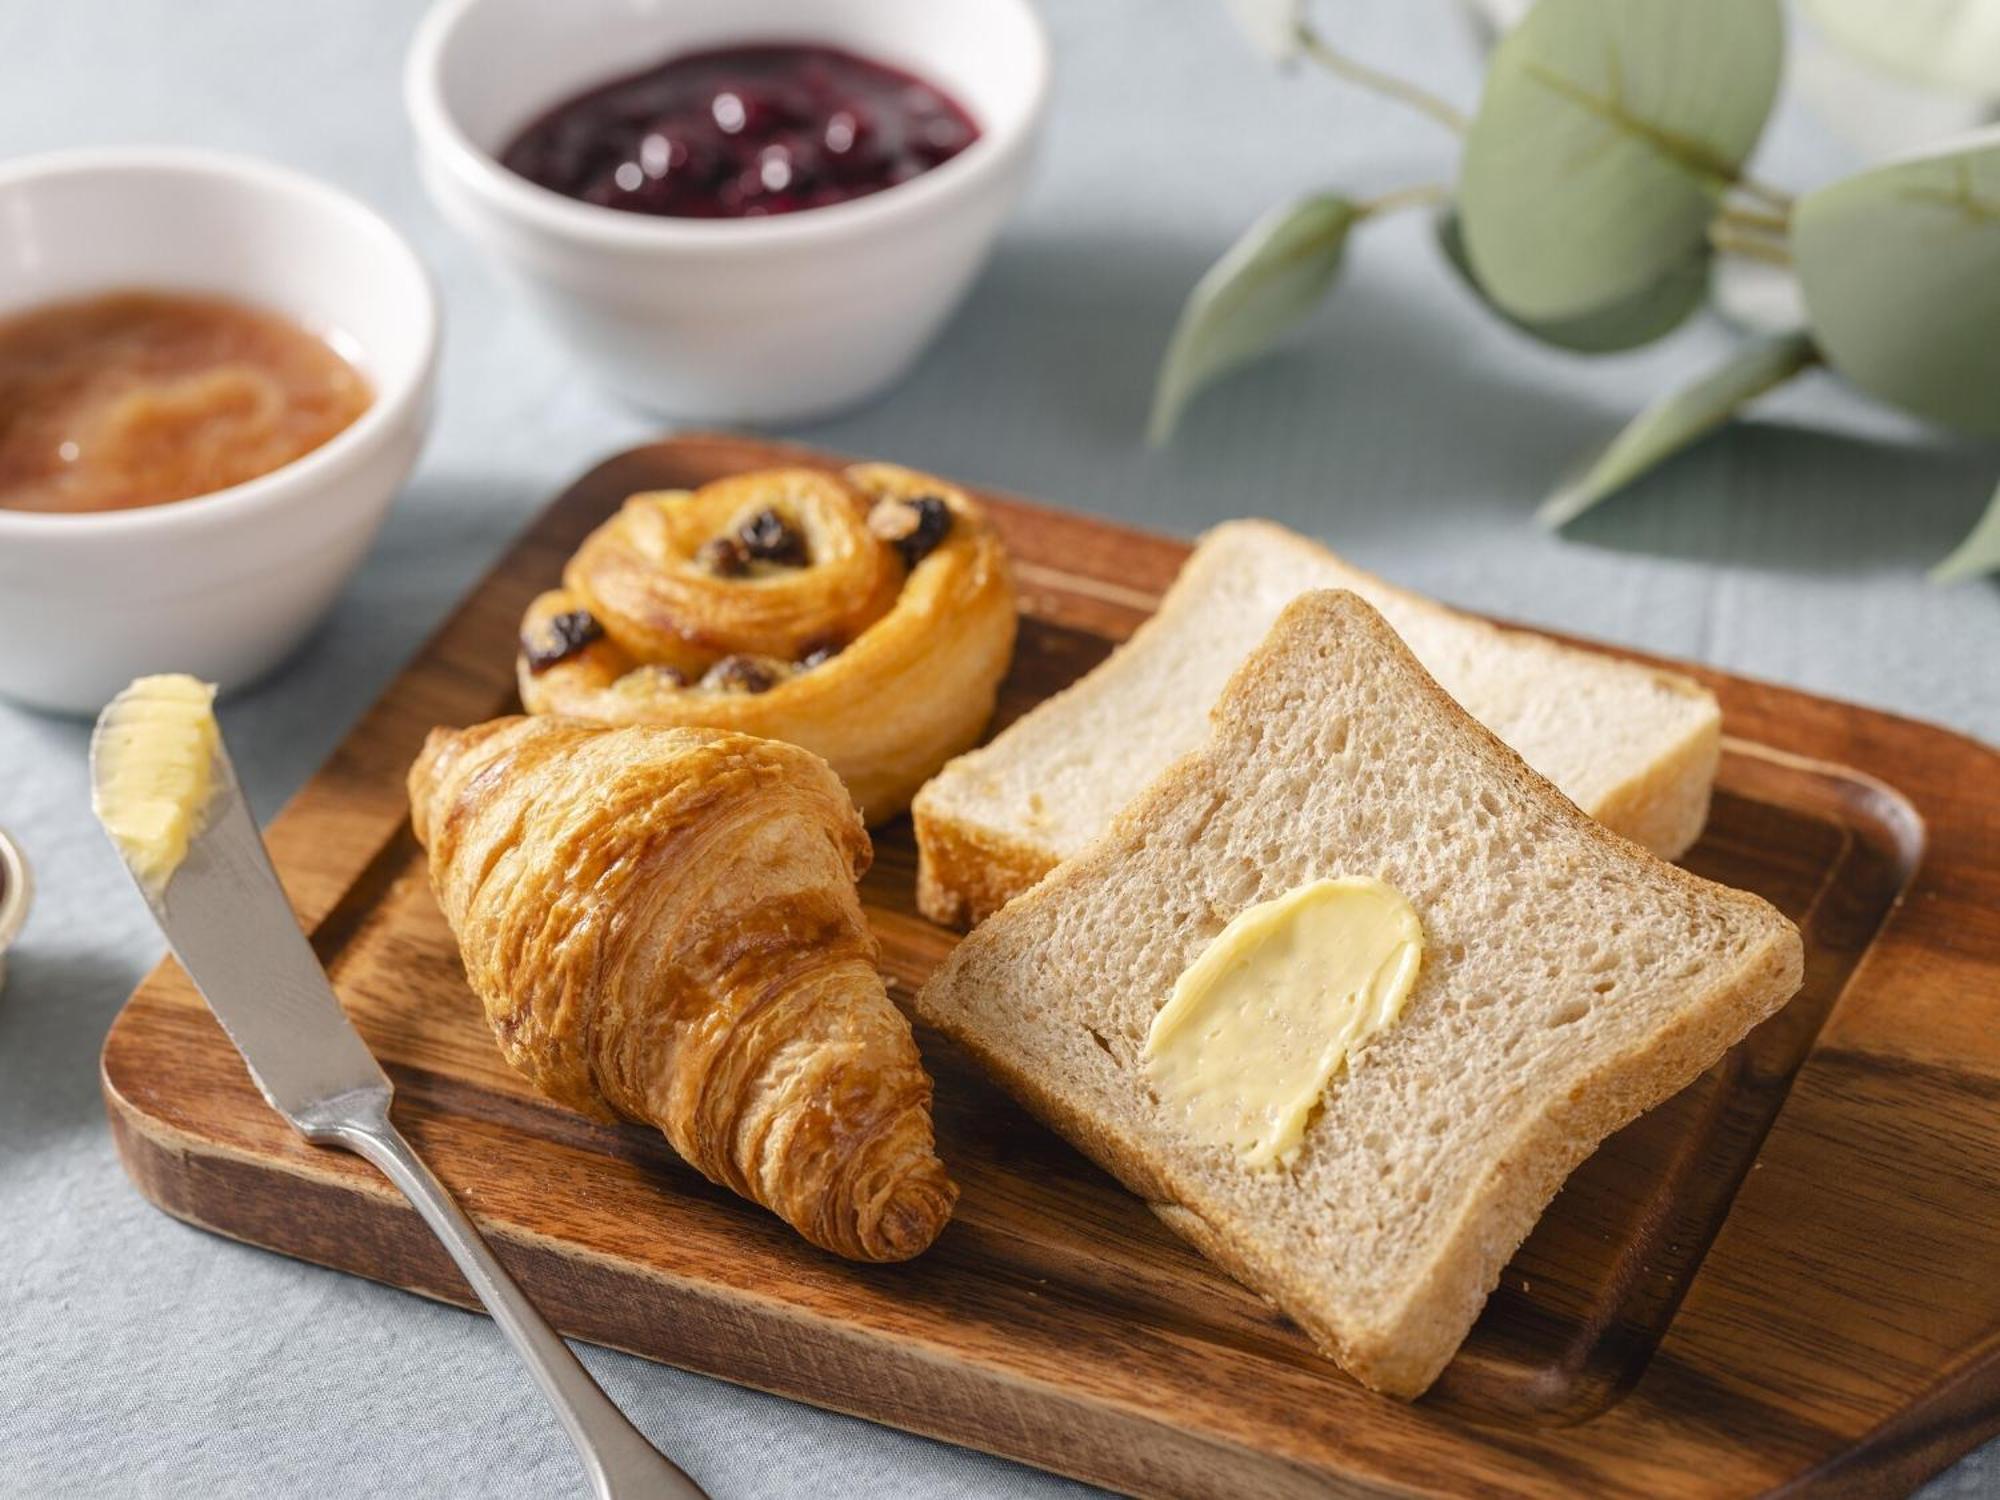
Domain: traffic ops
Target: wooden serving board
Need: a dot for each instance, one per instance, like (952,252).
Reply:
(1786,1279)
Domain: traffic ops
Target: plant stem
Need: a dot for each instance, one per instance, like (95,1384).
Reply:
(1750,246)
(1755,221)
(1753,234)
(1409,197)
(1424,102)
(1774,197)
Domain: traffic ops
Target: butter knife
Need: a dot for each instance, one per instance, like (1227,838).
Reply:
(227,920)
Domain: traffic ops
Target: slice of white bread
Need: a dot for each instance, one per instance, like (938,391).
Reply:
(1569,981)
(1634,747)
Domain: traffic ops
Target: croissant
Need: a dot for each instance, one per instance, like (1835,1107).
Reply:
(867,615)
(663,926)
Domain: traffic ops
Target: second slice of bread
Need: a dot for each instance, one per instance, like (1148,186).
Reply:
(1569,981)
(1635,747)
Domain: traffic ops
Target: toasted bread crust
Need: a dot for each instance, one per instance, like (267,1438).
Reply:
(965,871)
(970,867)
(1664,808)
(1404,1353)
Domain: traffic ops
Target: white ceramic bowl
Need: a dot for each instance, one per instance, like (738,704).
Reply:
(745,319)
(224,585)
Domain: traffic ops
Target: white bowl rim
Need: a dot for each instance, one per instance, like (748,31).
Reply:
(394,396)
(20,891)
(621,229)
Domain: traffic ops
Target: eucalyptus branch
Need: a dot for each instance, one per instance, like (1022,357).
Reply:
(1545,270)
(1775,197)
(1750,246)
(1755,221)
(1387,84)
(1409,197)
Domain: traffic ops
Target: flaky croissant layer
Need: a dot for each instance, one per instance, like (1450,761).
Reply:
(662,924)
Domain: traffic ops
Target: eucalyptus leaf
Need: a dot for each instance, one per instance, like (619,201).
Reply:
(1675,422)
(1648,314)
(1267,281)
(1274,26)
(1949,44)
(1900,267)
(1606,136)
(1978,553)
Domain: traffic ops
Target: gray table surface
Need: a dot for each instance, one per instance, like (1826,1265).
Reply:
(143,1357)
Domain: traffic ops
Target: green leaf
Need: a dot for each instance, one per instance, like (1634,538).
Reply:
(1648,314)
(1939,44)
(1978,553)
(1606,136)
(1267,281)
(1900,267)
(1274,26)
(1675,422)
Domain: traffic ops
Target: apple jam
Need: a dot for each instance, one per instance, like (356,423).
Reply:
(140,398)
(743,132)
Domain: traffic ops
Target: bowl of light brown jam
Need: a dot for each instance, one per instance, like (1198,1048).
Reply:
(133,398)
(215,376)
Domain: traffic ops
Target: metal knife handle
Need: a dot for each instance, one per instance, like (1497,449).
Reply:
(622,1464)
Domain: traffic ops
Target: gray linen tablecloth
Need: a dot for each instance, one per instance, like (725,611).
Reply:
(140,1357)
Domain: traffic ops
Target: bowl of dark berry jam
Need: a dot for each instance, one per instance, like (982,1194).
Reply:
(743,132)
(732,209)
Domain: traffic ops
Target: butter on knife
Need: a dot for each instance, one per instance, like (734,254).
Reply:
(154,759)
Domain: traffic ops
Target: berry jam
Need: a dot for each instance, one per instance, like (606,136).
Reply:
(743,132)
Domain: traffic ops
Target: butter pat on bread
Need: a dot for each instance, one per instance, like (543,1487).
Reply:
(1259,1024)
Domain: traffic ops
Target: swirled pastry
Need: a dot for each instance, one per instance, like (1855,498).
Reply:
(662,925)
(867,616)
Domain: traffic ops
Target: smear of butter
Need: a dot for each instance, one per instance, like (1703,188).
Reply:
(1274,1006)
(153,770)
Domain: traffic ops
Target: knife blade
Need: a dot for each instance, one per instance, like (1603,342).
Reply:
(227,920)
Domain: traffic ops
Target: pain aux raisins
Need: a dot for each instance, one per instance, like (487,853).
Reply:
(563,636)
(723,556)
(656,675)
(740,674)
(769,537)
(914,527)
(818,652)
